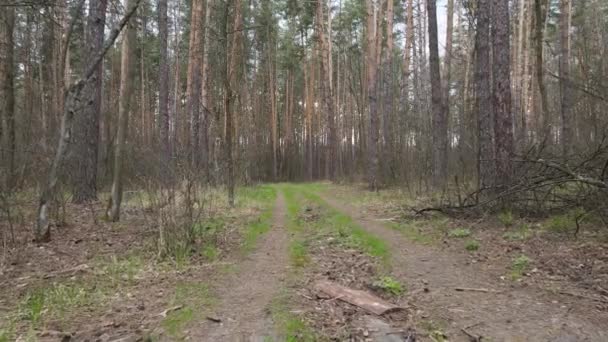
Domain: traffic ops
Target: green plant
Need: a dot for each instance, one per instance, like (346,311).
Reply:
(298,254)
(560,223)
(210,252)
(519,265)
(55,301)
(459,233)
(520,234)
(189,301)
(472,245)
(291,326)
(389,285)
(32,306)
(506,218)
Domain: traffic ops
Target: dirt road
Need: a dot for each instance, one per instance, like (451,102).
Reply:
(246,294)
(504,314)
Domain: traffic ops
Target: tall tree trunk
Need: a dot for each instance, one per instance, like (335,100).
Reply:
(86,134)
(309,91)
(565,83)
(194,82)
(206,119)
(7,90)
(501,67)
(326,88)
(387,85)
(483,91)
(371,61)
(447,63)
(127,74)
(440,123)
(163,89)
(230,83)
(540,13)
(75,98)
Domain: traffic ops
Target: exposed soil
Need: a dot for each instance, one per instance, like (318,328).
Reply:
(245,295)
(562,297)
(508,312)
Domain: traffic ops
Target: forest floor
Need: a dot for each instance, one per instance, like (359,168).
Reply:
(253,271)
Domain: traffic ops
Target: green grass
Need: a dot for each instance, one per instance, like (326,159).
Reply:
(56,302)
(506,218)
(256,195)
(346,230)
(264,197)
(519,265)
(472,245)
(120,270)
(459,233)
(522,233)
(193,299)
(290,325)
(298,254)
(389,285)
(560,223)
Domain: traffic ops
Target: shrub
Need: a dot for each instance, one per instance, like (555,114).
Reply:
(472,245)
(389,285)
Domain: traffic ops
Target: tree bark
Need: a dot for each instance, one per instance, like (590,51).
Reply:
(7,90)
(485,112)
(440,123)
(565,86)
(503,117)
(127,74)
(230,83)
(163,91)
(74,98)
(86,134)
(540,12)
(371,61)
(326,88)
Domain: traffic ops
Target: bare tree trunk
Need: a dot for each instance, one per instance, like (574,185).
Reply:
(371,61)
(7,90)
(326,87)
(566,90)
(86,134)
(440,123)
(540,11)
(485,129)
(232,57)
(163,90)
(309,116)
(447,63)
(387,84)
(205,96)
(127,74)
(501,67)
(194,81)
(75,96)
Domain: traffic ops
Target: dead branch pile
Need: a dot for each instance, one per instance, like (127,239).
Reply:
(543,185)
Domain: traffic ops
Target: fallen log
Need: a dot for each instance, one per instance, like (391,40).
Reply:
(362,299)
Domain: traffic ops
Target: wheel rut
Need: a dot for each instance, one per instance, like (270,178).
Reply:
(245,295)
(511,314)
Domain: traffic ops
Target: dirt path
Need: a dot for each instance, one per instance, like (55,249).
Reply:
(512,314)
(245,295)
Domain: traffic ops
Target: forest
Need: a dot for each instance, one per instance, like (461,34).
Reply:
(316,170)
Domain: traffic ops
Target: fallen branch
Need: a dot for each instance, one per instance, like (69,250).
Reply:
(601,300)
(170,310)
(463,289)
(362,299)
(69,271)
(472,337)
